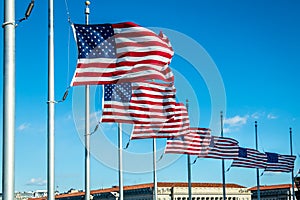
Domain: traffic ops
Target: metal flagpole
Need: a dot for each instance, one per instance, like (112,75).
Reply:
(223,163)
(8,164)
(291,146)
(154,171)
(87,123)
(189,163)
(51,174)
(189,176)
(121,196)
(257,169)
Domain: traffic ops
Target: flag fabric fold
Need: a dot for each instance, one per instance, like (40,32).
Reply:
(138,102)
(250,158)
(176,126)
(279,163)
(127,52)
(221,148)
(166,39)
(192,143)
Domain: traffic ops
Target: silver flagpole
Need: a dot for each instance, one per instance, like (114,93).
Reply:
(87,123)
(121,196)
(51,174)
(8,164)
(223,163)
(257,169)
(189,163)
(291,146)
(154,171)
(189,176)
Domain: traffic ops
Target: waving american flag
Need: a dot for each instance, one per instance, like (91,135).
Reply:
(279,163)
(193,143)
(127,52)
(138,102)
(250,158)
(176,126)
(221,148)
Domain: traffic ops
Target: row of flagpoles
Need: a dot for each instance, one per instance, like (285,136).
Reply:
(125,102)
(199,142)
(126,58)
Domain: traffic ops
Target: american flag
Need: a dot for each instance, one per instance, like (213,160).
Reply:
(166,39)
(250,158)
(138,102)
(279,163)
(178,125)
(127,52)
(221,148)
(192,143)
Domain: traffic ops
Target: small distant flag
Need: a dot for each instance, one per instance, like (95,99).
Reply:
(192,143)
(138,102)
(250,158)
(221,148)
(176,126)
(279,163)
(127,52)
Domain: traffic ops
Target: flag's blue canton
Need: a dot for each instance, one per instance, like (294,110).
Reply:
(118,92)
(242,152)
(272,157)
(95,41)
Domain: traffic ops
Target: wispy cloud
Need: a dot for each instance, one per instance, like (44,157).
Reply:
(236,121)
(258,115)
(272,116)
(233,124)
(226,130)
(23,126)
(36,182)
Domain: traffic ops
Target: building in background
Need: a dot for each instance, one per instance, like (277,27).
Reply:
(166,191)
(273,192)
(297,183)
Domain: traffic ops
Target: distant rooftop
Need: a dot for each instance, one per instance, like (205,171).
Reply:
(147,185)
(273,187)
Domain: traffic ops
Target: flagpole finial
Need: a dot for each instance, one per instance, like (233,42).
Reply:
(87,9)
(255,123)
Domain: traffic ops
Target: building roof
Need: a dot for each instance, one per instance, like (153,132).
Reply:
(165,184)
(272,187)
(145,185)
(184,184)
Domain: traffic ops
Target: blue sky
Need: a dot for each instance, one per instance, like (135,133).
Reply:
(253,47)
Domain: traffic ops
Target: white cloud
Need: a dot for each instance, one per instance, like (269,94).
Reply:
(36,182)
(236,121)
(258,115)
(272,116)
(234,124)
(227,130)
(23,126)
